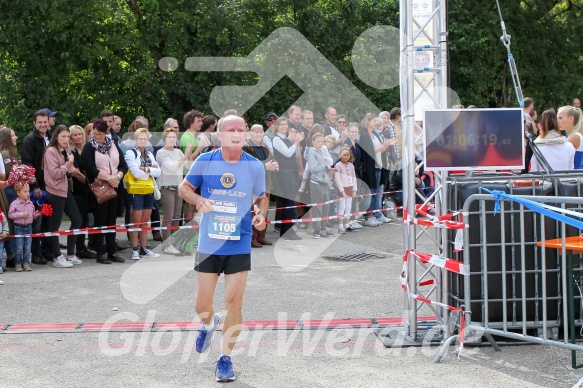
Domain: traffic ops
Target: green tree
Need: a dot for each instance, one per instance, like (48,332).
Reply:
(545,43)
(79,57)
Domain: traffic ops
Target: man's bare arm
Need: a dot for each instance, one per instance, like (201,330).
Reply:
(261,207)
(186,191)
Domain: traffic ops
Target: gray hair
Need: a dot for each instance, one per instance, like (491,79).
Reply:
(143,120)
(168,122)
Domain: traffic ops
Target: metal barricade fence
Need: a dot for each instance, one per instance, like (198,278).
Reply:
(516,289)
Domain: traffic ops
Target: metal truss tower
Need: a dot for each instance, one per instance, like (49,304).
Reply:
(424,85)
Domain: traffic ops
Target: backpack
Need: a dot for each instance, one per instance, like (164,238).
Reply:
(428,179)
(390,209)
(209,148)
(185,240)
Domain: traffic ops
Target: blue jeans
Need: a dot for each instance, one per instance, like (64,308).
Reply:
(398,196)
(23,244)
(377,199)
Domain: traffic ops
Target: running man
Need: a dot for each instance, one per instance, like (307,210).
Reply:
(231,182)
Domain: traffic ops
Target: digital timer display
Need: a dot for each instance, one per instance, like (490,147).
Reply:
(467,139)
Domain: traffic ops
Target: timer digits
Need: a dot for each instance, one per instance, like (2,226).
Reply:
(471,140)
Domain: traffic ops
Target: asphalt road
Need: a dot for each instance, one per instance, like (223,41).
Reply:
(292,280)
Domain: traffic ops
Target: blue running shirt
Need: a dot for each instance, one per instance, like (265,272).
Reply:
(227,230)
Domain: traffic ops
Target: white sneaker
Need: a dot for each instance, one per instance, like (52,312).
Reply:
(1,282)
(61,262)
(74,260)
(350,229)
(341,229)
(171,250)
(135,255)
(355,225)
(384,219)
(370,222)
(149,253)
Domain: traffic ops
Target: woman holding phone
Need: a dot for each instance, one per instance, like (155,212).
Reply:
(59,168)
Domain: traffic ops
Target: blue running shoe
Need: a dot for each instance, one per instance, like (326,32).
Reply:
(225,369)
(205,336)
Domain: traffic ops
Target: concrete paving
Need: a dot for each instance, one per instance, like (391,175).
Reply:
(291,280)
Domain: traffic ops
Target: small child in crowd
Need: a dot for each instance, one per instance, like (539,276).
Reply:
(22,212)
(345,178)
(329,144)
(319,181)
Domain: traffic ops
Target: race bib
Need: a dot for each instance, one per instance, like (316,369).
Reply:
(224,223)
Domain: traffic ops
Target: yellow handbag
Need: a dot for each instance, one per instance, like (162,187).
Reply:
(138,186)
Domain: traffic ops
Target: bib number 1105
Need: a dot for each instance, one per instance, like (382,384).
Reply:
(224,227)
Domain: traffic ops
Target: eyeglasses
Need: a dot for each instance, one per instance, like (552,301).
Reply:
(271,119)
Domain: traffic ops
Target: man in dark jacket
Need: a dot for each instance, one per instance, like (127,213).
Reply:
(32,152)
(108,116)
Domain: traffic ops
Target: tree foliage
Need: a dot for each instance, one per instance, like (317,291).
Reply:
(545,43)
(82,56)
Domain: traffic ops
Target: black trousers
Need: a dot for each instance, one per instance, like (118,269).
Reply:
(68,206)
(40,245)
(105,215)
(81,199)
(286,195)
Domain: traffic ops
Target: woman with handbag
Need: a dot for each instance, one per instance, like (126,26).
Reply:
(143,168)
(58,165)
(105,167)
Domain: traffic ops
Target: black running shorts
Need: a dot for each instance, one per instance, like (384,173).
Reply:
(227,264)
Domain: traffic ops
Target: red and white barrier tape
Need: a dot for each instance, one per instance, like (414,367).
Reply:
(448,264)
(332,201)
(339,217)
(124,228)
(451,265)
(443,221)
(102,230)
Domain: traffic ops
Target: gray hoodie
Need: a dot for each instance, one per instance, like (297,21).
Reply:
(318,167)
